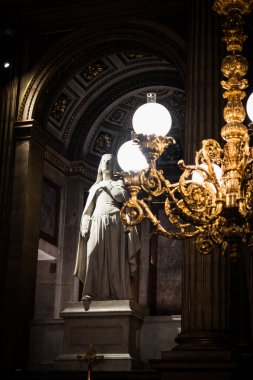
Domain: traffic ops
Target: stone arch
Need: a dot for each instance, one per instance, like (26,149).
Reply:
(67,57)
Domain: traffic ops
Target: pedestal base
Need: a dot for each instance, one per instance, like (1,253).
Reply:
(197,365)
(112,327)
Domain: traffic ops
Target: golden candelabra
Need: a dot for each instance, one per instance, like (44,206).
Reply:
(213,199)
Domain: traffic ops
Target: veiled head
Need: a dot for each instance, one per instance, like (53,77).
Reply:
(108,164)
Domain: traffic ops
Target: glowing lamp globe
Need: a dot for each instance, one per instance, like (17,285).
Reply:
(198,177)
(249,107)
(130,157)
(152,119)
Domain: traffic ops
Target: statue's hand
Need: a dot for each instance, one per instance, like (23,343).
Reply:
(85,235)
(85,227)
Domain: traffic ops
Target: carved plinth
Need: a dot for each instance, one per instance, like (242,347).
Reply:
(202,355)
(112,327)
(198,365)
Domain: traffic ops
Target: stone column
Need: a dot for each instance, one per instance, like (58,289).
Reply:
(8,92)
(24,236)
(204,276)
(203,93)
(214,286)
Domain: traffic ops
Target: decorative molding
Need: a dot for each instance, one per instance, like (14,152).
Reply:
(136,55)
(29,129)
(23,129)
(70,167)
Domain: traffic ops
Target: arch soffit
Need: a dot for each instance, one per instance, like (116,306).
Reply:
(69,55)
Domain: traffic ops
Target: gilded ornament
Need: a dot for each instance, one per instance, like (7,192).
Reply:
(234,65)
(225,7)
(213,199)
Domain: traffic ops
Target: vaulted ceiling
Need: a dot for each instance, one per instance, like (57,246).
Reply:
(91,113)
(101,59)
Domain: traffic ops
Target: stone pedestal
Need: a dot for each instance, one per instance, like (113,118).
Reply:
(196,364)
(112,327)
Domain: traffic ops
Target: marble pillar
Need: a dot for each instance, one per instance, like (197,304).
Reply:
(204,276)
(212,308)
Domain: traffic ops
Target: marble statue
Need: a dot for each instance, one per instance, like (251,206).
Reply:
(107,255)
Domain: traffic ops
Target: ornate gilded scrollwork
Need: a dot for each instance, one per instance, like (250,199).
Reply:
(213,199)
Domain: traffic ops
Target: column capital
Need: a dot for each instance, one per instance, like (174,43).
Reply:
(23,129)
(27,129)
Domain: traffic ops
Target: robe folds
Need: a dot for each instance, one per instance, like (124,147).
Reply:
(107,255)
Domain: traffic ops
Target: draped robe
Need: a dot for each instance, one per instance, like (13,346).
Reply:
(107,260)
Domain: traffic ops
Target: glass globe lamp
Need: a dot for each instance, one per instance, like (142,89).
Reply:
(198,177)
(152,118)
(130,157)
(249,107)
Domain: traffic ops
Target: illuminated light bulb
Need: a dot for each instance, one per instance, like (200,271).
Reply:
(249,107)
(130,157)
(152,118)
(198,177)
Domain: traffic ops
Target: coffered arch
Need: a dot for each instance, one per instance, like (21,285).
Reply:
(91,72)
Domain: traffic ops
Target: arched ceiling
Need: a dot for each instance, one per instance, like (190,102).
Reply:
(92,112)
(85,91)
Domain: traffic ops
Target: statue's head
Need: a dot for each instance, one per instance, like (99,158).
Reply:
(108,165)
